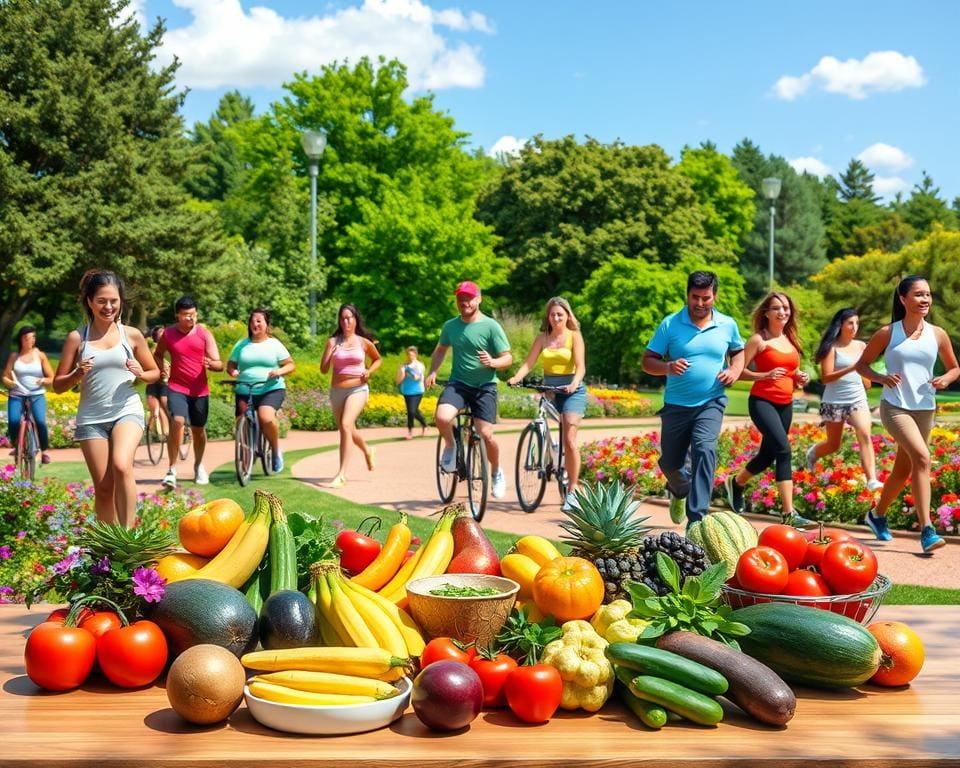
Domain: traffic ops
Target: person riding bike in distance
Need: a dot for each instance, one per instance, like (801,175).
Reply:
(480,349)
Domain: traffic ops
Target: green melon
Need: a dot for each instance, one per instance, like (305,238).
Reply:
(724,536)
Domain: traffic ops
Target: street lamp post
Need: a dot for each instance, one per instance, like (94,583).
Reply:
(771,190)
(314,142)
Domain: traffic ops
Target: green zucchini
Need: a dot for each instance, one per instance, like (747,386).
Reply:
(808,645)
(257,585)
(283,551)
(650,714)
(692,705)
(670,666)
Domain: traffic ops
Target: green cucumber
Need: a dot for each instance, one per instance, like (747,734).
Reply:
(650,714)
(283,551)
(677,698)
(670,666)
(809,645)
(257,585)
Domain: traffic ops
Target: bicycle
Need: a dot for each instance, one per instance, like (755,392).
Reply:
(249,442)
(28,443)
(472,465)
(156,439)
(539,456)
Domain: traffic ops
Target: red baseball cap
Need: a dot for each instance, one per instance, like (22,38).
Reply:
(467,288)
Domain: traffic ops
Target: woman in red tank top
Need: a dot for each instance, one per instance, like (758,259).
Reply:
(771,362)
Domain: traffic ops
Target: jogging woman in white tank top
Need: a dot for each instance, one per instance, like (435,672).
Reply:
(910,345)
(106,358)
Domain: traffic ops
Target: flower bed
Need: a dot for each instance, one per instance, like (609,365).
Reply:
(835,492)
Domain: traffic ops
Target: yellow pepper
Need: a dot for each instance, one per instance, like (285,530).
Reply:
(612,624)
(586,672)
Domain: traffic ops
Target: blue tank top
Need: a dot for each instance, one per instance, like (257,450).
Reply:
(913,359)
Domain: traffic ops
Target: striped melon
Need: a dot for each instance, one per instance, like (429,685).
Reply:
(724,536)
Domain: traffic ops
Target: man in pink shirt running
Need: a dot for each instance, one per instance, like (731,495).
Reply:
(192,350)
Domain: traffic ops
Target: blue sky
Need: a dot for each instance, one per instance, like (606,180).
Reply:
(816,82)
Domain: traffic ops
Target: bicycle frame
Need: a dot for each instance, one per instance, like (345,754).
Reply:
(249,440)
(539,457)
(28,442)
(471,453)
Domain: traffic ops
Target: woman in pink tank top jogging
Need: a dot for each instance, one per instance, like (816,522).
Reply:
(346,353)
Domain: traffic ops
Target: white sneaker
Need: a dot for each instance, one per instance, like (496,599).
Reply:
(812,458)
(448,460)
(567,505)
(874,485)
(170,479)
(201,478)
(499,485)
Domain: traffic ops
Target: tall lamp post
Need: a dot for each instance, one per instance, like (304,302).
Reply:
(771,191)
(314,142)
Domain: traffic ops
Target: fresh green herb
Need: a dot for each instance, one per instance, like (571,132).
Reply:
(697,607)
(524,639)
(315,541)
(452,590)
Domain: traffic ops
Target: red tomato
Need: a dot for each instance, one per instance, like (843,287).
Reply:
(762,569)
(133,656)
(493,674)
(446,649)
(533,693)
(60,615)
(849,567)
(804,583)
(787,540)
(357,550)
(818,541)
(59,658)
(99,623)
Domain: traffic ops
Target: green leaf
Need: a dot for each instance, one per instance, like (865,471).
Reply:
(692,589)
(734,628)
(652,631)
(669,572)
(639,592)
(712,579)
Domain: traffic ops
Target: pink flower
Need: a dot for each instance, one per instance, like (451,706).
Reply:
(148,584)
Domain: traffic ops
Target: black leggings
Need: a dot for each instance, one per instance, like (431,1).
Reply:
(773,420)
(413,410)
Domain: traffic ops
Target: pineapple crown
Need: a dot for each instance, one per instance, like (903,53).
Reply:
(602,518)
(131,546)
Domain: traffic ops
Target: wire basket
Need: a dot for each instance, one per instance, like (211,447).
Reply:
(859,607)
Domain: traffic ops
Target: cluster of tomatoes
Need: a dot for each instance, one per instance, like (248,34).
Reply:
(61,651)
(786,561)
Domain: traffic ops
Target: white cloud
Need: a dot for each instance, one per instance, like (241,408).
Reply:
(888,186)
(226,46)
(884,156)
(810,165)
(857,78)
(507,145)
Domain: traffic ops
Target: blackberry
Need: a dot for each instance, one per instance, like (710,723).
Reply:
(616,572)
(689,557)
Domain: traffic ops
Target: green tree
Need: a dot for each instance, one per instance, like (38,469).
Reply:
(925,207)
(92,158)
(726,200)
(562,209)
(798,237)
(856,183)
(219,167)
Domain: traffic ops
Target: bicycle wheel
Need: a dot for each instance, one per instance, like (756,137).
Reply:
(563,479)
(266,455)
(156,440)
(446,481)
(243,450)
(478,476)
(530,475)
(27,447)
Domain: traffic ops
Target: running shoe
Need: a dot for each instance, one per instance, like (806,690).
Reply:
(567,505)
(734,494)
(929,539)
(170,479)
(200,476)
(448,460)
(874,485)
(278,462)
(499,489)
(878,524)
(795,520)
(678,507)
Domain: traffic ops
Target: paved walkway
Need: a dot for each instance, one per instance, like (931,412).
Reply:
(404,480)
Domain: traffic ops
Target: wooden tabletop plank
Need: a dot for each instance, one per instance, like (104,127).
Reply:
(102,727)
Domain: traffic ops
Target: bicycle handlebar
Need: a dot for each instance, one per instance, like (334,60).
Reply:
(538,387)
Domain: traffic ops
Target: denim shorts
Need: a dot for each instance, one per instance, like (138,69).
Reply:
(564,403)
(102,429)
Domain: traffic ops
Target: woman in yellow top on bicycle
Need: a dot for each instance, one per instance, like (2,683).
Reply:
(560,345)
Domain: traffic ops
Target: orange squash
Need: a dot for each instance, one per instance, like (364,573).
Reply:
(180,565)
(206,529)
(903,653)
(568,588)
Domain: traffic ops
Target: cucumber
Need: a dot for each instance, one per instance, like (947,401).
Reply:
(677,698)
(283,552)
(808,645)
(650,714)
(257,585)
(670,666)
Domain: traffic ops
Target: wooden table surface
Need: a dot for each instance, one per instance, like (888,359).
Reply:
(101,726)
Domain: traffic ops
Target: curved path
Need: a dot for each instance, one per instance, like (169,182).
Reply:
(404,479)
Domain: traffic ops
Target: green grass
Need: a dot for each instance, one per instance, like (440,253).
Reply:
(908,594)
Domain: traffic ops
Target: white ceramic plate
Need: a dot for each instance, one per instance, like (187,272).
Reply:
(330,721)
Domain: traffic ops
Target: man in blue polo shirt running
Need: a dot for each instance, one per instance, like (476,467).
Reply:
(700,351)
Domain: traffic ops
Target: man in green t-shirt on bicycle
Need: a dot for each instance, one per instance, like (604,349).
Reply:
(480,348)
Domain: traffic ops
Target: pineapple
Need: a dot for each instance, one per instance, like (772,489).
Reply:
(603,529)
(131,547)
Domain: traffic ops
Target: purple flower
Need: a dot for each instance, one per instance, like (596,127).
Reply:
(69,562)
(5,553)
(101,567)
(148,584)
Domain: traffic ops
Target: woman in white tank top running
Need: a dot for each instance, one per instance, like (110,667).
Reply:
(910,345)
(106,358)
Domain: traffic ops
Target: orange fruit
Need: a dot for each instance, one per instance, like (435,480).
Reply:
(179,565)
(568,588)
(903,653)
(206,529)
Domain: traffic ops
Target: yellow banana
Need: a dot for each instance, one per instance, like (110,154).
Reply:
(328,632)
(344,611)
(401,619)
(284,695)
(537,548)
(436,555)
(378,622)
(329,682)
(362,662)
(521,569)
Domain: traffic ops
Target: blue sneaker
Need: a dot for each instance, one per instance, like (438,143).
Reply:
(929,539)
(795,520)
(878,524)
(678,507)
(278,462)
